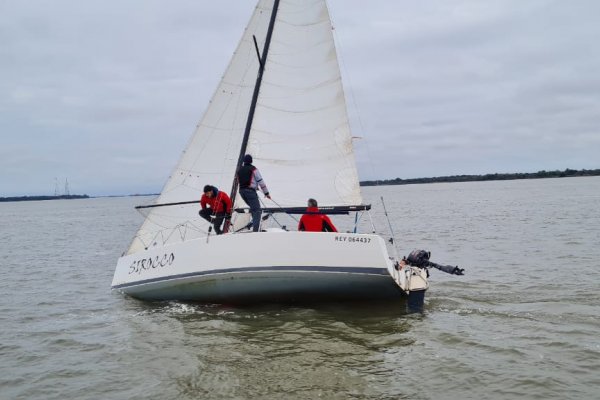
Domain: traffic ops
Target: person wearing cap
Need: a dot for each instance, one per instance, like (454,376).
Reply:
(313,221)
(216,207)
(249,180)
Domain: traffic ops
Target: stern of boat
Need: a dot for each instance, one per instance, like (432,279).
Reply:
(414,282)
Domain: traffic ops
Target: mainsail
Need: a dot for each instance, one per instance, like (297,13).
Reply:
(300,135)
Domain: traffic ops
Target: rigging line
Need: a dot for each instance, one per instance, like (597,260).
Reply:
(171,231)
(140,239)
(283,209)
(388,218)
(270,215)
(350,87)
(149,229)
(259,77)
(371,220)
(393,240)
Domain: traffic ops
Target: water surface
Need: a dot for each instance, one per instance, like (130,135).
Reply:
(523,323)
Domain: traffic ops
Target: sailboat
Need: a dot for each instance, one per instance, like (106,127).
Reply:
(281,100)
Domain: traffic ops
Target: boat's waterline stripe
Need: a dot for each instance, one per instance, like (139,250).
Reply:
(352,270)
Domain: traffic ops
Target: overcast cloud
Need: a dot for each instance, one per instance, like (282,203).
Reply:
(107,94)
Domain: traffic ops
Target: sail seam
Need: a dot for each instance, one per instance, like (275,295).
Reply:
(307,89)
(302,111)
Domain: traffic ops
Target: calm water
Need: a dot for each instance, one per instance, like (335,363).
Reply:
(522,324)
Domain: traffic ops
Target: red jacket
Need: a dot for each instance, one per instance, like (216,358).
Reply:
(221,203)
(315,222)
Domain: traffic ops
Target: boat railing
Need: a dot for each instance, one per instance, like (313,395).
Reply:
(190,229)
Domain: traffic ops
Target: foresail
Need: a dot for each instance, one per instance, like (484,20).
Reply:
(300,137)
(212,153)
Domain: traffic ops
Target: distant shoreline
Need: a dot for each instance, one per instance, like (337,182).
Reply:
(567,173)
(68,197)
(128,195)
(37,198)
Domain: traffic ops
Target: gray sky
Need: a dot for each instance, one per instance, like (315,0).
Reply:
(107,94)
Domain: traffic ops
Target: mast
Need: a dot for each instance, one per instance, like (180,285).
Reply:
(262,61)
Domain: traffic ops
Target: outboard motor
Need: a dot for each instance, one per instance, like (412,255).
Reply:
(420,259)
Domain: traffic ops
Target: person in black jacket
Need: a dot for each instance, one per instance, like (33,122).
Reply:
(249,180)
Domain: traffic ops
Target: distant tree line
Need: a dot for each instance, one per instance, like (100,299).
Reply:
(32,198)
(487,177)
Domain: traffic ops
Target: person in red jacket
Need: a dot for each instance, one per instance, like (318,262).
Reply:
(216,207)
(313,222)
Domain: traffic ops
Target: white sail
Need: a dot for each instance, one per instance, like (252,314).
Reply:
(300,137)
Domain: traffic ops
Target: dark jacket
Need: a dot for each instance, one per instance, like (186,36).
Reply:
(249,178)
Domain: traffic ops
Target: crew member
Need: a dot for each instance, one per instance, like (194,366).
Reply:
(249,180)
(216,207)
(315,222)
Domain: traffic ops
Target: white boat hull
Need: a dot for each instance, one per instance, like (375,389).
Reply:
(265,266)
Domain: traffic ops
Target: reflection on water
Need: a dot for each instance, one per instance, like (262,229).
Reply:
(331,351)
